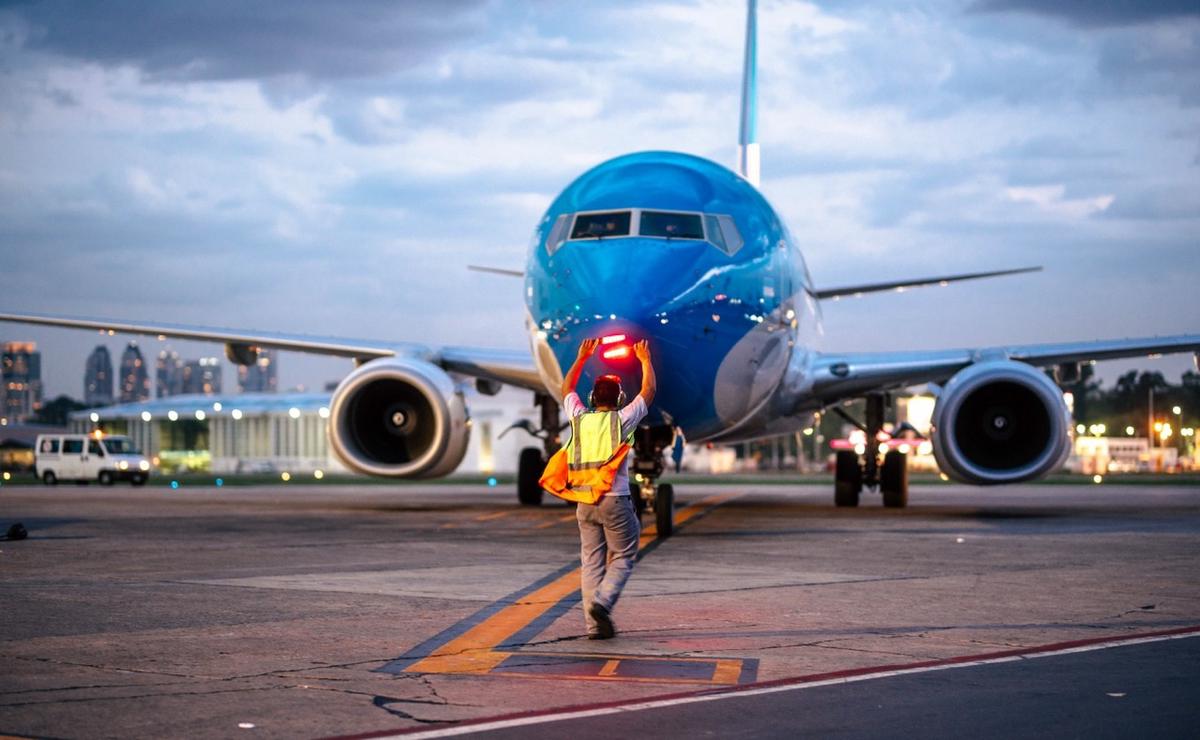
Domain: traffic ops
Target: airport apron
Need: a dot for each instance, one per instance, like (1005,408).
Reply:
(585,468)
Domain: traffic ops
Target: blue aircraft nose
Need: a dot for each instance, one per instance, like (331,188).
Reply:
(620,284)
(637,289)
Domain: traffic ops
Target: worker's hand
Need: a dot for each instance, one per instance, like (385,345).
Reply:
(587,347)
(642,350)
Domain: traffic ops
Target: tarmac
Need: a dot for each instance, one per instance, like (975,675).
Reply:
(372,611)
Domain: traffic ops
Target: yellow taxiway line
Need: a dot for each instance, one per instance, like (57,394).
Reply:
(474,651)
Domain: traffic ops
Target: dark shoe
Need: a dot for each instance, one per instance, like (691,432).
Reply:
(604,625)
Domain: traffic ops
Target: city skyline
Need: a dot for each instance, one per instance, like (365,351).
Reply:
(86,366)
(98,378)
(349,178)
(21,373)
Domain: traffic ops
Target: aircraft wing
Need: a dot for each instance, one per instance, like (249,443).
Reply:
(858,290)
(505,366)
(838,376)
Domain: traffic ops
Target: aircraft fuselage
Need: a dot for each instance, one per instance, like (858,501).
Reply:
(724,320)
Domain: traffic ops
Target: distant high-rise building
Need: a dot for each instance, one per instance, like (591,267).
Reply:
(202,376)
(20,381)
(168,374)
(98,378)
(262,376)
(135,378)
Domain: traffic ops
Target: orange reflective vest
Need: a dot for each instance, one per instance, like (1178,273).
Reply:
(585,468)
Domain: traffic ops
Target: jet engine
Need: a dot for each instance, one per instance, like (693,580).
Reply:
(1000,421)
(399,418)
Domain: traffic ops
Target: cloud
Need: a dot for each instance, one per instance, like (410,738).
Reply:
(228,39)
(1097,13)
(333,168)
(1050,199)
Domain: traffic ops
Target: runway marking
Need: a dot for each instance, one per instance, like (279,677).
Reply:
(609,668)
(493,515)
(476,645)
(523,719)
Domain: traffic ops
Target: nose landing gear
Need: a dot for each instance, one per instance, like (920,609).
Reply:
(853,473)
(648,445)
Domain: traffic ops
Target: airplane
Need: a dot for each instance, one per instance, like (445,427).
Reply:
(686,253)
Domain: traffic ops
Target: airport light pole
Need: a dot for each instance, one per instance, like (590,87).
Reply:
(1150,418)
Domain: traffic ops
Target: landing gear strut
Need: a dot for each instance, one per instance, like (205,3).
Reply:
(853,474)
(648,445)
(532,461)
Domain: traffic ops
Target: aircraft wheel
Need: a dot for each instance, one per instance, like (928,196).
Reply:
(893,480)
(529,470)
(847,483)
(105,478)
(49,478)
(664,510)
(639,502)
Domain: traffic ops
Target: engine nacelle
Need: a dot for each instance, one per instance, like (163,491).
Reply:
(1000,422)
(399,418)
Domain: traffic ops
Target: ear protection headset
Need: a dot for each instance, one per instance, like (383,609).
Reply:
(608,378)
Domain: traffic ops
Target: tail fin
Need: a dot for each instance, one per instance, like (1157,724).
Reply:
(748,154)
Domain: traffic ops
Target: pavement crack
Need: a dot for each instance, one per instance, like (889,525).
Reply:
(101,667)
(152,695)
(1138,610)
(553,640)
(428,683)
(385,703)
(86,687)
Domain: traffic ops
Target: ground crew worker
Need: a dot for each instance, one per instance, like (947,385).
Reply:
(610,526)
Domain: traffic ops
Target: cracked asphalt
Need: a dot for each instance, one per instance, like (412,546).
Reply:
(268,611)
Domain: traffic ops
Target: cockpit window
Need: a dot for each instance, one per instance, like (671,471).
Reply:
(558,233)
(724,234)
(671,225)
(600,225)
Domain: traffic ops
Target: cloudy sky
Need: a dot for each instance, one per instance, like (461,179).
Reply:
(332,168)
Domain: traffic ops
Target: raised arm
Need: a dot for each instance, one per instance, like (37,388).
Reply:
(642,350)
(586,348)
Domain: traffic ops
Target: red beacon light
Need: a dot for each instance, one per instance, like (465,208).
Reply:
(616,350)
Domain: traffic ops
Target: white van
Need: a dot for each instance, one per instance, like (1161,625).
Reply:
(81,457)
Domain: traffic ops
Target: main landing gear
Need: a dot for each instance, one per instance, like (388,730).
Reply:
(647,467)
(532,460)
(853,473)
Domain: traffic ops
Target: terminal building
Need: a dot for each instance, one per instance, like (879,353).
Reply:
(284,432)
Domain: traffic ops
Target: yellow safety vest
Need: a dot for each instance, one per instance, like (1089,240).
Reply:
(595,436)
(584,469)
